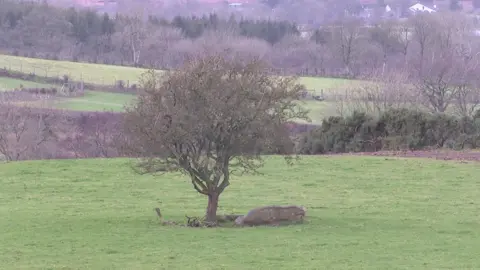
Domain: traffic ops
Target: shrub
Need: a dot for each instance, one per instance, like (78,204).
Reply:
(337,134)
(396,129)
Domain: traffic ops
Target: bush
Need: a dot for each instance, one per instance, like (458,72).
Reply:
(396,129)
(338,135)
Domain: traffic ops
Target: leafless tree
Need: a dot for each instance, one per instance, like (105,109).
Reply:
(23,130)
(134,35)
(382,91)
(209,119)
(448,66)
(467,100)
(159,45)
(422,29)
(404,37)
(347,38)
(384,36)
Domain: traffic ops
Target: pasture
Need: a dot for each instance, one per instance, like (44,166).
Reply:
(105,101)
(7,84)
(109,74)
(363,213)
(94,101)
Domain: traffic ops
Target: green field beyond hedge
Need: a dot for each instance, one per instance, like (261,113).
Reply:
(363,213)
(109,74)
(7,84)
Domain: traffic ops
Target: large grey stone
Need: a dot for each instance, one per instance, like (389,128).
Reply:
(272,215)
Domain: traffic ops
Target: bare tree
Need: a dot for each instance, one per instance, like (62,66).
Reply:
(347,37)
(404,38)
(134,35)
(213,117)
(467,100)
(447,67)
(382,91)
(383,35)
(467,95)
(159,44)
(422,30)
(22,130)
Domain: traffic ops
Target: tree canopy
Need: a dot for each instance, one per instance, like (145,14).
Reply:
(215,116)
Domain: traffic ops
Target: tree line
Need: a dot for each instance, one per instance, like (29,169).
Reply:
(345,48)
(40,30)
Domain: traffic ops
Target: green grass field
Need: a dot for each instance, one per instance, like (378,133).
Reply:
(363,213)
(101,101)
(95,101)
(11,84)
(108,74)
(92,73)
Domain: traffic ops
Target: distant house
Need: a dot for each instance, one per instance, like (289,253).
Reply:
(421,8)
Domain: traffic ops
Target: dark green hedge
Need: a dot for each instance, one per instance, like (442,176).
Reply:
(396,129)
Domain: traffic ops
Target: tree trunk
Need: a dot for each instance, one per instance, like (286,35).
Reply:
(212,207)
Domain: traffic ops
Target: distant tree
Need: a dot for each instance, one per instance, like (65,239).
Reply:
(135,35)
(22,129)
(347,39)
(383,35)
(213,117)
(446,73)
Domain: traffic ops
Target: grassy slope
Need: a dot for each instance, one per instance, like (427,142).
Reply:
(92,73)
(10,84)
(95,101)
(364,213)
(108,74)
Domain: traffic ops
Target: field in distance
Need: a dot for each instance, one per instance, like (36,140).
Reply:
(363,213)
(90,101)
(95,101)
(101,101)
(7,84)
(109,74)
